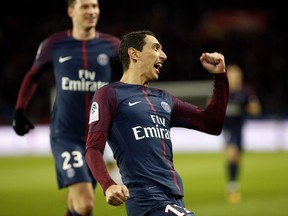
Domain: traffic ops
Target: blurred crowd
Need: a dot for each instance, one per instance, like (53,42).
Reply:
(249,33)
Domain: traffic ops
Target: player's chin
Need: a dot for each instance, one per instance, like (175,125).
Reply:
(153,75)
(90,24)
(156,77)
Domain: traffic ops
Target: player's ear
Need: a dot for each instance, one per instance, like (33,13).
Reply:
(70,11)
(133,53)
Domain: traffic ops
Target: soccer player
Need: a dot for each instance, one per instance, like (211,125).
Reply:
(242,102)
(136,121)
(83,60)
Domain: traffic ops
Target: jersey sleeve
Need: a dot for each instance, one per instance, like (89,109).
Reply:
(95,145)
(102,111)
(209,120)
(31,80)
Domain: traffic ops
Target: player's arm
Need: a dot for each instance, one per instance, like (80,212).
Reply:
(103,108)
(95,145)
(209,120)
(21,124)
(115,194)
(212,118)
(253,106)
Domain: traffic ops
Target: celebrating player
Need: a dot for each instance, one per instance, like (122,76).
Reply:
(136,121)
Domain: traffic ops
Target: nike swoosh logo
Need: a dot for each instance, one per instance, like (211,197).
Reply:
(134,103)
(63,59)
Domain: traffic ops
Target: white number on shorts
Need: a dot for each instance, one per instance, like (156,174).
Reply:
(175,211)
(77,157)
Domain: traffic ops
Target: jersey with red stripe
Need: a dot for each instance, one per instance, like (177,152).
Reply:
(136,120)
(80,67)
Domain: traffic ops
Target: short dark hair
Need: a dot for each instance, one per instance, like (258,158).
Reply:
(133,39)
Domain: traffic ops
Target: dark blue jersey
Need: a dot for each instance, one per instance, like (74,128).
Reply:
(236,110)
(236,114)
(237,107)
(136,120)
(80,67)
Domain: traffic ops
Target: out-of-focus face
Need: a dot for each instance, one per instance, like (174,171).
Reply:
(151,58)
(84,14)
(235,77)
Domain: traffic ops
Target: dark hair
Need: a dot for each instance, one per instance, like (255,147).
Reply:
(133,39)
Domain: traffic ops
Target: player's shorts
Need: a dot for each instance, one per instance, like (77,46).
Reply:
(71,166)
(234,137)
(156,205)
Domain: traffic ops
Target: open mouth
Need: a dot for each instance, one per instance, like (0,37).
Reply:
(158,66)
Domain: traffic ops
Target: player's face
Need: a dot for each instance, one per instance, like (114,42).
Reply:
(235,78)
(85,13)
(151,58)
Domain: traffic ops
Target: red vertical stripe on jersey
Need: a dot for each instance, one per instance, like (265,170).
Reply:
(171,169)
(84,51)
(87,98)
(147,99)
(163,143)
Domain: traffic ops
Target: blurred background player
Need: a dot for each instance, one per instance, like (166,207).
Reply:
(82,60)
(243,102)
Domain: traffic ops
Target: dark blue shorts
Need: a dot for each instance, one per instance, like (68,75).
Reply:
(71,166)
(156,205)
(233,137)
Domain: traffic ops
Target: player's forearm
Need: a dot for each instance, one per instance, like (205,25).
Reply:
(95,145)
(216,109)
(27,90)
(211,119)
(98,168)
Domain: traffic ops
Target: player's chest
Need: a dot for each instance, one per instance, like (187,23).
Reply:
(80,58)
(75,62)
(146,109)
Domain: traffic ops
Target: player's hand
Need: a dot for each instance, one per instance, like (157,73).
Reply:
(116,194)
(213,62)
(21,124)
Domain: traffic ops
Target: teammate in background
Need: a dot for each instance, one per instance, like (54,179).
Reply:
(83,60)
(136,121)
(242,102)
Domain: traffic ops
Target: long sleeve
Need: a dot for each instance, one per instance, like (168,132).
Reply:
(216,109)
(209,120)
(41,64)
(94,156)
(27,89)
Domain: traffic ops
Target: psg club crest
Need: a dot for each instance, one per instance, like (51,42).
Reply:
(102,59)
(166,106)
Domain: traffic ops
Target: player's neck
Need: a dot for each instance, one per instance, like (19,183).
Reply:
(135,80)
(84,34)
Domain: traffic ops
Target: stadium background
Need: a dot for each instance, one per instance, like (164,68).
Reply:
(251,33)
